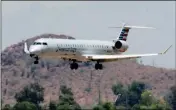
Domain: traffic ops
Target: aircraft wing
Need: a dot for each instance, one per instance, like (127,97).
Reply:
(118,57)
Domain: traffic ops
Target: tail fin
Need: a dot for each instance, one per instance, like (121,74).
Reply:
(125,30)
(124,33)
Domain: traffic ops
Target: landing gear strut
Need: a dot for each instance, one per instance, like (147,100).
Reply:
(98,66)
(36,60)
(74,65)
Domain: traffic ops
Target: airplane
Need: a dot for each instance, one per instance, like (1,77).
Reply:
(76,51)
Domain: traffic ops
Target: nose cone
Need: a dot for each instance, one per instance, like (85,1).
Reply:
(34,49)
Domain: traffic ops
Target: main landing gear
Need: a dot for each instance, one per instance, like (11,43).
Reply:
(74,65)
(98,66)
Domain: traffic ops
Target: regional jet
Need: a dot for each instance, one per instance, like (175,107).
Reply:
(85,50)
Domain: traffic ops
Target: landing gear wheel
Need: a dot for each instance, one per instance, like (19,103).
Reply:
(36,62)
(36,59)
(73,66)
(98,66)
(76,66)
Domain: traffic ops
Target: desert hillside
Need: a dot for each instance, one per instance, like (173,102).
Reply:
(18,70)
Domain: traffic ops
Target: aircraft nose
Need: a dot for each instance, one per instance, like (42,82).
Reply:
(33,49)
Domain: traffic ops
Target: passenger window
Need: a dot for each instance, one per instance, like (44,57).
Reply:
(44,43)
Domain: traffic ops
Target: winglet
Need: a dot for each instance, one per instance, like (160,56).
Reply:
(166,50)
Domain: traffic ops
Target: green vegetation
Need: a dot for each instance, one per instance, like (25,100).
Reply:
(105,106)
(7,107)
(135,96)
(52,105)
(25,105)
(130,95)
(66,100)
(171,97)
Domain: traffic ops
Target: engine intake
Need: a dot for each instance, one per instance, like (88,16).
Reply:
(121,45)
(118,44)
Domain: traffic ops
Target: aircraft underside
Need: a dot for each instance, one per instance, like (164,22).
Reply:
(73,58)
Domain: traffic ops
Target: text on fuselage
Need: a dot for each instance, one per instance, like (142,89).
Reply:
(66,49)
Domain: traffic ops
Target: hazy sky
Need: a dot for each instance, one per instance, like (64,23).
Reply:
(90,20)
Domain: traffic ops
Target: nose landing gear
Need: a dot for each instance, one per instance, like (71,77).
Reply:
(36,60)
(35,57)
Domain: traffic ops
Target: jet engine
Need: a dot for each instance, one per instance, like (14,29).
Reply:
(121,45)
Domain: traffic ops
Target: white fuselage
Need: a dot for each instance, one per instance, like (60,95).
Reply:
(71,48)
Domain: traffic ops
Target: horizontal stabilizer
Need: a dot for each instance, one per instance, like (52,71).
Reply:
(125,31)
(140,27)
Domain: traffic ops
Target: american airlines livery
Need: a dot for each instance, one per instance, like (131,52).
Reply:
(85,50)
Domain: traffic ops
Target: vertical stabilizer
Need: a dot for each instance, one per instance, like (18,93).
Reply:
(124,33)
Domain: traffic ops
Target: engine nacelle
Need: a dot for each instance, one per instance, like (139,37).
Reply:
(121,45)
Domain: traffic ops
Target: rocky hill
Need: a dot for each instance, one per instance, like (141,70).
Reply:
(18,70)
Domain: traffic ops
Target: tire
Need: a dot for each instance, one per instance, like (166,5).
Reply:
(96,66)
(36,62)
(72,66)
(100,66)
(75,66)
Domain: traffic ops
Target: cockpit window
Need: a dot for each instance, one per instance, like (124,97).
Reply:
(39,43)
(44,43)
